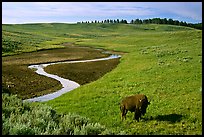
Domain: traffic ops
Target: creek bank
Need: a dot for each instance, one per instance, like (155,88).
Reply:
(67,84)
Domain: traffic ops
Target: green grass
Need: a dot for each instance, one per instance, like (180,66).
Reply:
(162,61)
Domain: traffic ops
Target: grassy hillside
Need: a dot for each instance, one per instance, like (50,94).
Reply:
(162,61)
(33,37)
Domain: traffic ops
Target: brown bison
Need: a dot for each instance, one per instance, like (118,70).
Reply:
(136,103)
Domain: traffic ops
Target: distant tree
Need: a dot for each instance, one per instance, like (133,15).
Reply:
(181,23)
(190,25)
(176,22)
(156,21)
(137,21)
(145,21)
(149,21)
(164,21)
(198,26)
(184,23)
(159,21)
(140,21)
(170,21)
(122,21)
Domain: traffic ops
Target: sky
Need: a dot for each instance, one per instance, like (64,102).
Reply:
(73,12)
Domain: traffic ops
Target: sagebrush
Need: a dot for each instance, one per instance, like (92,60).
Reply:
(25,118)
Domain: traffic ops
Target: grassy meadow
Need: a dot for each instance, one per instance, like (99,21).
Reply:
(163,62)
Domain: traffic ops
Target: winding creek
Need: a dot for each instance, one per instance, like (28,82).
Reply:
(67,84)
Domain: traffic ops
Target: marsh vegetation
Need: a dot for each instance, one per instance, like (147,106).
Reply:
(17,76)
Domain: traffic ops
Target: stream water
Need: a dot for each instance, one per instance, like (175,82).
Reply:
(67,85)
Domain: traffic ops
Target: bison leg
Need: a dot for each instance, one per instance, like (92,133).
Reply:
(137,114)
(124,112)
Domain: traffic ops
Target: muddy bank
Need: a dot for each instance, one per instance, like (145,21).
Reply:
(67,84)
(84,72)
(20,80)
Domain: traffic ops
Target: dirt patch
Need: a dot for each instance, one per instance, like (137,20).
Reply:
(18,79)
(54,55)
(24,82)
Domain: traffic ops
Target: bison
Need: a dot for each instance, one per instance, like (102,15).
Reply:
(136,103)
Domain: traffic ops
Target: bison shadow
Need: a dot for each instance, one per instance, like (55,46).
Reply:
(170,117)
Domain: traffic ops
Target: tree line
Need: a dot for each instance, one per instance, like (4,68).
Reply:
(106,21)
(149,21)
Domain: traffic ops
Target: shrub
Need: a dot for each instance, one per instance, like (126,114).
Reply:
(24,118)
